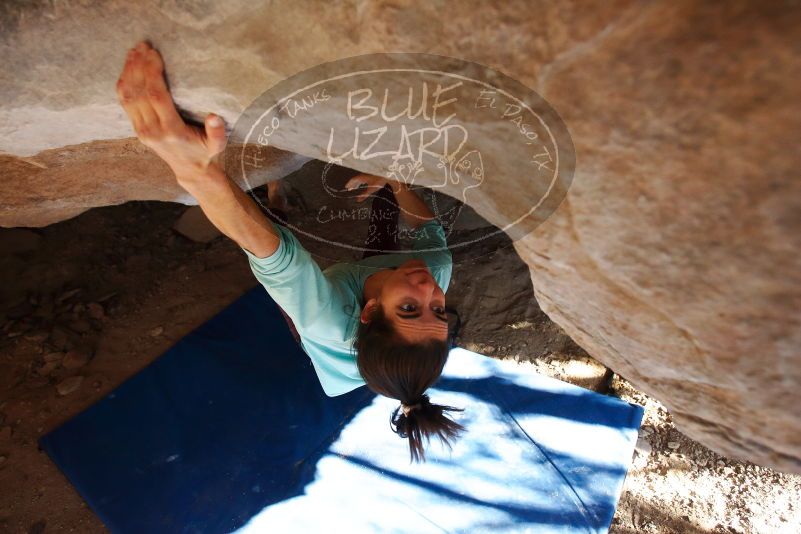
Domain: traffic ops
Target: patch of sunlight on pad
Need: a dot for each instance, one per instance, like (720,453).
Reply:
(495,479)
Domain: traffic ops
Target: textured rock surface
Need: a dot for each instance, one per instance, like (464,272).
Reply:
(60,183)
(674,258)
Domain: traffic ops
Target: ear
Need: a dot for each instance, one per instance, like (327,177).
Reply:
(368,310)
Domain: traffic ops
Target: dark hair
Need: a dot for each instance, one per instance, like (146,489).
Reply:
(401,370)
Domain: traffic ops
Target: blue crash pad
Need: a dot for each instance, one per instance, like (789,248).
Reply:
(229,430)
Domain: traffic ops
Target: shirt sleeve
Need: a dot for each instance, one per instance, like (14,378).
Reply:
(430,242)
(294,280)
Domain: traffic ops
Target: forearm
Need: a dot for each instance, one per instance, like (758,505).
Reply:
(413,211)
(231,210)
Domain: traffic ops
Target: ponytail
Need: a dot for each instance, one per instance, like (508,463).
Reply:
(404,371)
(423,419)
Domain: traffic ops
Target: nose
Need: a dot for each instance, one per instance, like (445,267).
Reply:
(424,281)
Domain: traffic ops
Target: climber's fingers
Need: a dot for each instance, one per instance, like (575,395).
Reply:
(365,193)
(135,75)
(126,96)
(373,183)
(142,91)
(156,92)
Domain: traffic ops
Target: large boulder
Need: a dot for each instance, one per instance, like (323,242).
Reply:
(673,259)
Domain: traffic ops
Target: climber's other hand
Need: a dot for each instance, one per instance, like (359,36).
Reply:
(374,183)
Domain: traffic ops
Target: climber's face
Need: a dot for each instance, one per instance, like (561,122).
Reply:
(413,302)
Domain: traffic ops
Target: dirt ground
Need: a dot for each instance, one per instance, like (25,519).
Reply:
(88,302)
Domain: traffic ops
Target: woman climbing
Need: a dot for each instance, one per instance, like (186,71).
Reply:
(380,321)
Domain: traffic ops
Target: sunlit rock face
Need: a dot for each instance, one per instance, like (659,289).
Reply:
(674,257)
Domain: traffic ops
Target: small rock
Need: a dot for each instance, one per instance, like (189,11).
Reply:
(68,385)
(96,311)
(643,447)
(193,224)
(35,382)
(156,332)
(78,308)
(673,445)
(80,326)
(68,294)
(36,337)
(2,460)
(53,357)
(48,368)
(16,333)
(76,358)
(59,338)
(721,463)
(5,434)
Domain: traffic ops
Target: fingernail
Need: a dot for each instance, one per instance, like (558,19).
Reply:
(215,121)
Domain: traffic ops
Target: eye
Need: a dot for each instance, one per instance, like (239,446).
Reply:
(408,307)
(439,310)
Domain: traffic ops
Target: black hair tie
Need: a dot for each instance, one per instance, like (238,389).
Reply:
(409,408)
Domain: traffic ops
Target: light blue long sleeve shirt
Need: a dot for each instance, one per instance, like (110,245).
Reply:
(325,305)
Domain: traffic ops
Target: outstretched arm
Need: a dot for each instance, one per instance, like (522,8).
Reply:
(413,210)
(190,152)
